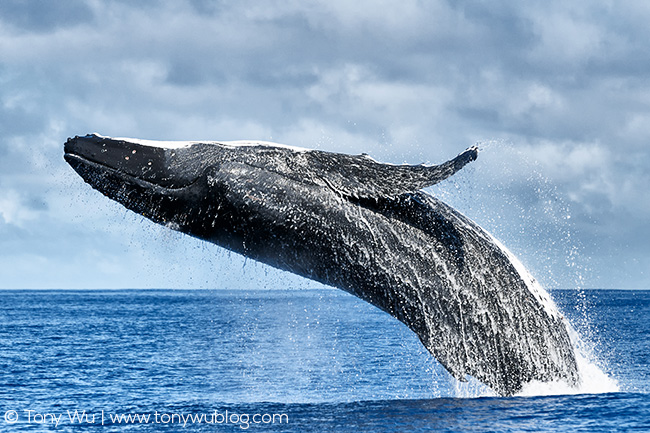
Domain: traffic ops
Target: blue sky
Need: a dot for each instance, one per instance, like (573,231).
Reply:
(557,94)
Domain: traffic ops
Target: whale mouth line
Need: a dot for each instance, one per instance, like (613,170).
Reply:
(76,160)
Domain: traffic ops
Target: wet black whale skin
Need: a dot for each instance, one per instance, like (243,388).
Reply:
(356,224)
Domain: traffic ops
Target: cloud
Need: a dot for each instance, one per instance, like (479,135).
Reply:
(17,211)
(559,89)
(43,16)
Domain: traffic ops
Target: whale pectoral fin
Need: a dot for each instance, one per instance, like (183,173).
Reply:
(424,176)
(362,177)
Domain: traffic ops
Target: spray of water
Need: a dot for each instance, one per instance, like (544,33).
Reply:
(593,376)
(507,194)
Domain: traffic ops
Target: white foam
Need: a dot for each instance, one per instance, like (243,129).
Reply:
(472,389)
(593,378)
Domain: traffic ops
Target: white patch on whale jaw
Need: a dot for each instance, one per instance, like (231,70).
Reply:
(184,144)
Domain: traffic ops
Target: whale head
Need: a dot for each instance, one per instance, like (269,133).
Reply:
(176,184)
(93,156)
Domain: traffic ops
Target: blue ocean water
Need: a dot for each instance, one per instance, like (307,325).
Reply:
(290,361)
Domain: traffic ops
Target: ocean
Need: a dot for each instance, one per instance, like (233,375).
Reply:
(290,361)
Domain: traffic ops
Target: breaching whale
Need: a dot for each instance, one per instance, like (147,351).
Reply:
(351,222)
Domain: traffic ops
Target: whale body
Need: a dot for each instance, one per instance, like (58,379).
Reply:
(350,222)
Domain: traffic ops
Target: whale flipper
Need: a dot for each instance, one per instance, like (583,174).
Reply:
(360,176)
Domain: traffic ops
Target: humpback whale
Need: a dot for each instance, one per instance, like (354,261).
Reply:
(350,222)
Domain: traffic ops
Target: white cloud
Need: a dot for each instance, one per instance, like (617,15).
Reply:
(13,210)
(565,84)
(567,160)
(566,36)
(636,131)
(539,96)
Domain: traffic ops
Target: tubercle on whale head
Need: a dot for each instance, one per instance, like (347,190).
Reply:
(130,159)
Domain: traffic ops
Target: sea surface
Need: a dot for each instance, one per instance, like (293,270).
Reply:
(289,361)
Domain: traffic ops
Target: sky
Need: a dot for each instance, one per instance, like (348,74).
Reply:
(556,94)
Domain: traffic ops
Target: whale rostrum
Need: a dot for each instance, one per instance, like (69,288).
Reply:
(350,222)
